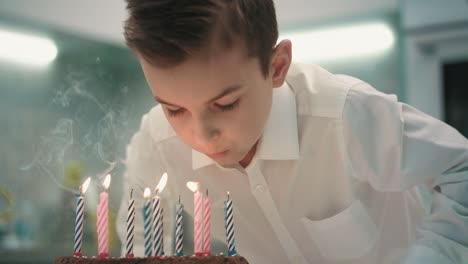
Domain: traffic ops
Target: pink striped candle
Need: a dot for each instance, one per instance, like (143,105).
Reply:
(198,247)
(207,226)
(197,218)
(102,220)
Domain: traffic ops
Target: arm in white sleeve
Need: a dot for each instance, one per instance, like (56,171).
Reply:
(144,168)
(395,147)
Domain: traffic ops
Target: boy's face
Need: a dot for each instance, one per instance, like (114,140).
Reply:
(217,104)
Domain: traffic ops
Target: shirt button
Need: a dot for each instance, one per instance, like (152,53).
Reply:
(259,188)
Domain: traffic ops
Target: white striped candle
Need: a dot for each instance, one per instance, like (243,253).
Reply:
(130,226)
(147,222)
(79,221)
(179,232)
(229,224)
(207,225)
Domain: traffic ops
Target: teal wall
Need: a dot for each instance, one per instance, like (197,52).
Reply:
(383,71)
(60,124)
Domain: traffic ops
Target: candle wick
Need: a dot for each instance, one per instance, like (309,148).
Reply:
(131,193)
(179,198)
(206,192)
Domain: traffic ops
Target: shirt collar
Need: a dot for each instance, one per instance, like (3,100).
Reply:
(279,140)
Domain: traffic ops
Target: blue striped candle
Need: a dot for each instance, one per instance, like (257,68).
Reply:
(79,226)
(79,221)
(229,224)
(179,232)
(147,221)
(158,243)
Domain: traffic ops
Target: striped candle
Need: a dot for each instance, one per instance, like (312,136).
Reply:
(229,224)
(161,227)
(147,212)
(207,225)
(158,247)
(130,226)
(79,226)
(197,200)
(102,221)
(157,231)
(179,233)
(79,219)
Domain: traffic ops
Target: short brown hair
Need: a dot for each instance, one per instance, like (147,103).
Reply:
(167,32)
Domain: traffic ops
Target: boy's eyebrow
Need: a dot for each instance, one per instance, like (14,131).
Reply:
(161,101)
(228,90)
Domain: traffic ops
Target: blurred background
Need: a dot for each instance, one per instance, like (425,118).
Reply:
(71,95)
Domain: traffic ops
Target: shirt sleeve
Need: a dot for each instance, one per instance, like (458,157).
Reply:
(144,168)
(395,147)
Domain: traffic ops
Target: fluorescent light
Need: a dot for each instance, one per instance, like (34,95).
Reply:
(340,42)
(26,49)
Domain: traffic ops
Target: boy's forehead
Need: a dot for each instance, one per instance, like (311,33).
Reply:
(198,80)
(209,64)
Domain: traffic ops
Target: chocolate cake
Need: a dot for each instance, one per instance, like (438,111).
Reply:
(153,260)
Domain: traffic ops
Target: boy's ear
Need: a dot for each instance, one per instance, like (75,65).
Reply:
(280,62)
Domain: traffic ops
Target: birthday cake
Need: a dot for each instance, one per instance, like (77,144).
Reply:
(153,230)
(153,260)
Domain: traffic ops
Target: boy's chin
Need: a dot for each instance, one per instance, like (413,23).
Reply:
(227,161)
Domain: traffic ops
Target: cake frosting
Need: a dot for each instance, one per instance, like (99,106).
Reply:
(153,260)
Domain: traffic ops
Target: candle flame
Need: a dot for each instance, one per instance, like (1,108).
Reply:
(161,184)
(85,185)
(193,186)
(106,182)
(147,193)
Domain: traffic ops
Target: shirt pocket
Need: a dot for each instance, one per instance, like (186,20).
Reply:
(348,235)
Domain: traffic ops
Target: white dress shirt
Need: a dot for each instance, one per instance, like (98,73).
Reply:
(333,180)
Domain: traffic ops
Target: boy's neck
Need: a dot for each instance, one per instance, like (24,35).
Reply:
(248,158)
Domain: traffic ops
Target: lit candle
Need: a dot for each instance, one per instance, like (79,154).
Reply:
(79,219)
(161,220)
(229,224)
(147,223)
(197,217)
(102,221)
(207,225)
(158,247)
(130,226)
(179,233)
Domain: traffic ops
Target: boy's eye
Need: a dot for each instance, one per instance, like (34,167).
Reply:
(175,112)
(228,106)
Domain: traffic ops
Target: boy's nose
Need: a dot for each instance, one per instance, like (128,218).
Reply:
(205,132)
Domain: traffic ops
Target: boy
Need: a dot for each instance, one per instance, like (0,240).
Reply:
(321,167)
